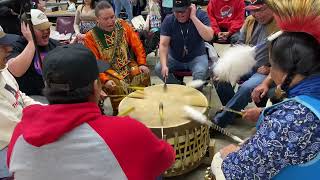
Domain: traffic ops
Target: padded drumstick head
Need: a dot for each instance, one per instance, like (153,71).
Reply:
(195,83)
(195,115)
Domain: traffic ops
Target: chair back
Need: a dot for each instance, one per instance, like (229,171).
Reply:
(65,24)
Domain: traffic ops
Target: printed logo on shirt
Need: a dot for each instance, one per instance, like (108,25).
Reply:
(226,11)
(253,1)
(16,94)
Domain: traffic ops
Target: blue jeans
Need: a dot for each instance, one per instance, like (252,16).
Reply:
(236,101)
(118,4)
(4,171)
(198,66)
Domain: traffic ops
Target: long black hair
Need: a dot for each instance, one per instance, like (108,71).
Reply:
(295,53)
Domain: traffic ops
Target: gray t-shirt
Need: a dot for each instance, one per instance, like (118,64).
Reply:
(258,37)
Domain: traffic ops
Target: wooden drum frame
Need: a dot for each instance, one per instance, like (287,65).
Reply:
(189,139)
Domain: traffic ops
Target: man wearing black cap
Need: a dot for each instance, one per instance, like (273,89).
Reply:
(182,37)
(71,139)
(12,101)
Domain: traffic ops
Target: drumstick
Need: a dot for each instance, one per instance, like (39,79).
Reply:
(199,117)
(133,87)
(161,118)
(196,83)
(231,110)
(126,95)
(126,112)
(165,88)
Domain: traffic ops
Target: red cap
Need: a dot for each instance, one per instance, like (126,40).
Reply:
(255,5)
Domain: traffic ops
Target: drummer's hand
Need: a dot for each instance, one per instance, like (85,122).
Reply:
(164,71)
(80,36)
(103,95)
(252,114)
(259,92)
(110,84)
(228,149)
(144,69)
(265,70)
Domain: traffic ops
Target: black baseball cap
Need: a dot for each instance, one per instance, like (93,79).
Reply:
(180,5)
(70,67)
(255,5)
(7,39)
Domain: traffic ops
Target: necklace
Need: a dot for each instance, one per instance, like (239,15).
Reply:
(184,37)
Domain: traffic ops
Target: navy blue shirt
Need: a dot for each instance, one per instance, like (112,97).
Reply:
(184,34)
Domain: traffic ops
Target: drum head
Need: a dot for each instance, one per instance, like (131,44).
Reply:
(176,96)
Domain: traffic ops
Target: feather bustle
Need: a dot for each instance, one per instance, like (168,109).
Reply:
(297,15)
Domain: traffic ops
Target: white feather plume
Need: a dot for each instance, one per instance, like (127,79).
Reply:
(195,115)
(274,36)
(234,63)
(195,83)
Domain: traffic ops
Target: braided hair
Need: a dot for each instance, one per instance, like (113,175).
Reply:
(295,53)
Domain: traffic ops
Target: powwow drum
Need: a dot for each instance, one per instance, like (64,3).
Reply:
(189,139)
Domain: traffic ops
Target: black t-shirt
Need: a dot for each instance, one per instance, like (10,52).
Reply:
(31,82)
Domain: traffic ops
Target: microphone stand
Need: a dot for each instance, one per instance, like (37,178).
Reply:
(26,5)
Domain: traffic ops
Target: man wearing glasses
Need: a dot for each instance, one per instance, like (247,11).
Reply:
(182,37)
(254,31)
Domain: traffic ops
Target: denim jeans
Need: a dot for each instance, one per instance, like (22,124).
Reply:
(127,6)
(236,101)
(198,66)
(4,171)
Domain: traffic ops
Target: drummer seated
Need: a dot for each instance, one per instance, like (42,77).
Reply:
(71,139)
(285,145)
(254,31)
(110,41)
(182,46)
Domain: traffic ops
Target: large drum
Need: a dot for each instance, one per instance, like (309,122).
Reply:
(189,139)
